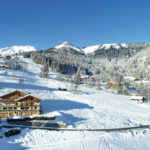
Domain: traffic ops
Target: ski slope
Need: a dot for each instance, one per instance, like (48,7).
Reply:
(87,109)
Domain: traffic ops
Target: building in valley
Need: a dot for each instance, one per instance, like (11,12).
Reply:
(18,103)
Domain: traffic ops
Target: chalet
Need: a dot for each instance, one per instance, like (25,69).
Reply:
(110,85)
(137,79)
(8,57)
(138,99)
(18,103)
(3,67)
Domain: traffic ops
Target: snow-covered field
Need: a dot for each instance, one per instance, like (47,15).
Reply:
(87,109)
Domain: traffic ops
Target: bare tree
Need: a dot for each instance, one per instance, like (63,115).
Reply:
(21,81)
(77,79)
(44,71)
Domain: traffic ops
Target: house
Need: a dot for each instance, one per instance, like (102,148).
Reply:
(138,99)
(3,67)
(137,79)
(18,103)
(110,85)
(7,57)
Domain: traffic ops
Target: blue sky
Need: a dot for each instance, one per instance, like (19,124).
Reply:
(45,23)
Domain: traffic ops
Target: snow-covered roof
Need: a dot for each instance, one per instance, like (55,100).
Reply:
(3,96)
(137,97)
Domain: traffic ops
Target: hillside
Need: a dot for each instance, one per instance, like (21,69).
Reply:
(89,108)
(97,61)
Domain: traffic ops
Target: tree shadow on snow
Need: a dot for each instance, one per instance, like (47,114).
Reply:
(62,105)
(69,119)
(24,86)
(9,143)
(17,77)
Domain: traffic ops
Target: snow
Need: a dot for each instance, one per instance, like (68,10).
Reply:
(89,108)
(22,97)
(92,49)
(67,46)
(16,49)
(137,97)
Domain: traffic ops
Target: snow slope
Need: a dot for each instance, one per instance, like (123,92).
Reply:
(92,49)
(87,109)
(15,49)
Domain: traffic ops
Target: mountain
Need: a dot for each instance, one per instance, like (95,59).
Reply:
(68,46)
(16,49)
(92,49)
(114,50)
(89,49)
(130,59)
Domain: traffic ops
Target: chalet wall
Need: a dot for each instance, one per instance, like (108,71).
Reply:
(18,103)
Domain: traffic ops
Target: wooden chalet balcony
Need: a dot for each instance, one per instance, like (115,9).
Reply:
(11,108)
(19,104)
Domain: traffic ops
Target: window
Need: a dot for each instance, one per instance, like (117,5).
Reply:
(22,107)
(5,108)
(35,107)
(31,98)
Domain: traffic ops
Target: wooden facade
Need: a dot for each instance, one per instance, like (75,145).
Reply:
(110,85)
(18,103)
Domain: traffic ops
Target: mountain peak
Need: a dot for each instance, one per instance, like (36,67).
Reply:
(67,45)
(16,49)
(64,44)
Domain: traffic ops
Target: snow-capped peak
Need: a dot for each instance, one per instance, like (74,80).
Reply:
(16,49)
(67,45)
(92,49)
(62,45)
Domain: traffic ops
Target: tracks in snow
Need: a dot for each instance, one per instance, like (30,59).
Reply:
(84,129)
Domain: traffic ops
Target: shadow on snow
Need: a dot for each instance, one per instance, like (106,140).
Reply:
(24,86)
(62,105)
